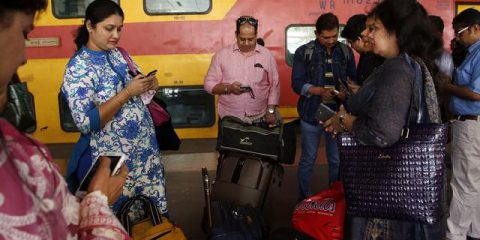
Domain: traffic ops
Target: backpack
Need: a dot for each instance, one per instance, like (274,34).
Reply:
(307,56)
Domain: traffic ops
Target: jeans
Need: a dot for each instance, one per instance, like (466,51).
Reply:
(311,135)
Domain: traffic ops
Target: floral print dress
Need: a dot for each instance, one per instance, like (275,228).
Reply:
(93,77)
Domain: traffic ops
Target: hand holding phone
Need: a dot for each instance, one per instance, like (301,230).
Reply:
(116,162)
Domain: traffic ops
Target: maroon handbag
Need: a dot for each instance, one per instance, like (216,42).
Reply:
(159,115)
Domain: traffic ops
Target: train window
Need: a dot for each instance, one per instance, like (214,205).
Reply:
(297,35)
(71,8)
(155,7)
(189,106)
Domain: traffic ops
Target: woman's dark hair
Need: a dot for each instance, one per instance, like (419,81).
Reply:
(27,6)
(96,12)
(409,20)
(354,28)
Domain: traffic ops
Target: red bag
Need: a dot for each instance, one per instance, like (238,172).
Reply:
(322,215)
(158,113)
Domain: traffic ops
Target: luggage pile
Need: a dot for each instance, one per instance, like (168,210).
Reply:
(239,202)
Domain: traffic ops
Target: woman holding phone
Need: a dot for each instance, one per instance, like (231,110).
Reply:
(379,110)
(105,101)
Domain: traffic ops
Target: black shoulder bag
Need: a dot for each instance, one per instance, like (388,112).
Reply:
(19,109)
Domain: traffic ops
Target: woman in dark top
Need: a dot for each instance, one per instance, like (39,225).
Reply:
(378,112)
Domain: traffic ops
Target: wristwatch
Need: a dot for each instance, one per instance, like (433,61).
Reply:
(271,110)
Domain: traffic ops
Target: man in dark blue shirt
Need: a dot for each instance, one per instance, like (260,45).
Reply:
(321,69)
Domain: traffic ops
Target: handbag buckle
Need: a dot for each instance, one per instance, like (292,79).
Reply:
(405,132)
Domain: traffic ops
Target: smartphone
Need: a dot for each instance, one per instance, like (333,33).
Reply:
(116,163)
(324,113)
(246,88)
(152,73)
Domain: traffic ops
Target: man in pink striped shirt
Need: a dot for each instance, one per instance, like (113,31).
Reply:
(245,77)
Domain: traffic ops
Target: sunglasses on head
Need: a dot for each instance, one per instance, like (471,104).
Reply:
(252,21)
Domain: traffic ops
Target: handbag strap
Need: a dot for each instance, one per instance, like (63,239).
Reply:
(128,60)
(149,207)
(416,86)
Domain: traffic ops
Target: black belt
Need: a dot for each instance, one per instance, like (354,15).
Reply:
(467,117)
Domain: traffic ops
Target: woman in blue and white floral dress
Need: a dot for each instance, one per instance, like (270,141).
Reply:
(106,106)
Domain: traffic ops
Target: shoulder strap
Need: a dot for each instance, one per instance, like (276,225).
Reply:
(128,60)
(345,51)
(307,56)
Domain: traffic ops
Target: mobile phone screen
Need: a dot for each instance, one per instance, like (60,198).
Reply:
(82,189)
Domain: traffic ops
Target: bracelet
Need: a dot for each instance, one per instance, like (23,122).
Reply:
(226,90)
(128,92)
(341,122)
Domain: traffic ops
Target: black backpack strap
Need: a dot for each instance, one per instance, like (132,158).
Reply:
(307,56)
(346,52)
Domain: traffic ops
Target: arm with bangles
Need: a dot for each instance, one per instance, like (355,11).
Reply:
(138,85)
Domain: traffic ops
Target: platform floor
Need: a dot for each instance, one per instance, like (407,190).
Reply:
(185,188)
(186,196)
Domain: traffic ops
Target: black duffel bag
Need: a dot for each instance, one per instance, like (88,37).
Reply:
(277,143)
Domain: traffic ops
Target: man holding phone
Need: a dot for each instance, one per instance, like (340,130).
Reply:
(320,69)
(245,77)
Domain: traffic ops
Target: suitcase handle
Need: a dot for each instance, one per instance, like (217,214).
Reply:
(206,187)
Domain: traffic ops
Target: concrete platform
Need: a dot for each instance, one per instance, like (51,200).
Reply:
(186,196)
(185,188)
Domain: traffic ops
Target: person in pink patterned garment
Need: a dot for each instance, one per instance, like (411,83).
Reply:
(34,200)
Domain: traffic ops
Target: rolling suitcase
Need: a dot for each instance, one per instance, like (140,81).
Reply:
(226,221)
(246,179)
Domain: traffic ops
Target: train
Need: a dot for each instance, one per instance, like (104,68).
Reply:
(179,38)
